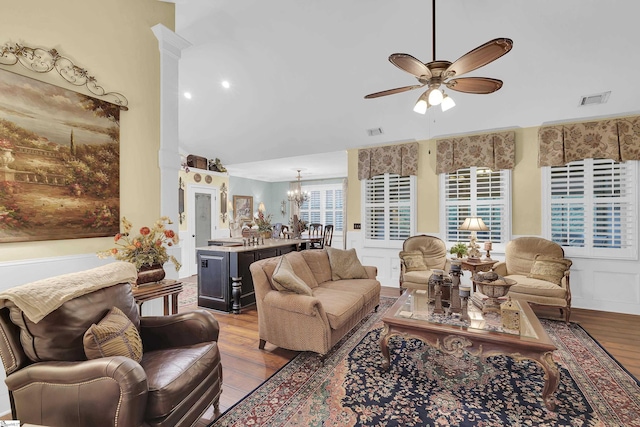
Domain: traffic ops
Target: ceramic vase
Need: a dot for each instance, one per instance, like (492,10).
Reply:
(149,274)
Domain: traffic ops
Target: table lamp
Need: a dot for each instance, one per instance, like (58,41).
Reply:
(473,224)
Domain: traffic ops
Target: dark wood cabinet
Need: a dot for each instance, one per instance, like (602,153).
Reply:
(222,268)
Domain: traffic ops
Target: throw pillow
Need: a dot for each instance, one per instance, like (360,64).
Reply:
(549,268)
(345,264)
(114,335)
(413,261)
(284,279)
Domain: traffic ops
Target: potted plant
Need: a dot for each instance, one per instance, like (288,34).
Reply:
(264,224)
(460,249)
(147,250)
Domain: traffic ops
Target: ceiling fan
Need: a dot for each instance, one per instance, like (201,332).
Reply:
(434,74)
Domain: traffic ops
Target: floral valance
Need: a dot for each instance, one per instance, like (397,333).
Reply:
(615,139)
(401,159)
(495,151)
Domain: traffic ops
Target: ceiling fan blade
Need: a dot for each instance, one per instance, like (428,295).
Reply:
(480,56)
(480,85)
(392,91)
(411,65)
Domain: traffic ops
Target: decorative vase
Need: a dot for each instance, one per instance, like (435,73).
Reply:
(265,234)
(149,274)
(6,158)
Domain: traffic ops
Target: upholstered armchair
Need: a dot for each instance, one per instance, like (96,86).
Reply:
(419,257)
(541,271)
(59,371)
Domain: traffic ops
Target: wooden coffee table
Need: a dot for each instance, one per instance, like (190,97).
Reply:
(410,317)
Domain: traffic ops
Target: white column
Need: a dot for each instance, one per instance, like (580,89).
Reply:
(171,46)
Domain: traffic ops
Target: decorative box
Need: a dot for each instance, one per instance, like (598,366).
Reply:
(197,162)
(510,312)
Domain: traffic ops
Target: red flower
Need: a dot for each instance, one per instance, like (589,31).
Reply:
(145,230)
(158,243)
(117,237)
(137,244)
(114,251)
(169,233)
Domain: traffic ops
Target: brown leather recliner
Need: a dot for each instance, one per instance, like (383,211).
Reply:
(52,383)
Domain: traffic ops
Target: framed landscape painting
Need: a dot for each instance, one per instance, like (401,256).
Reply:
(59,162)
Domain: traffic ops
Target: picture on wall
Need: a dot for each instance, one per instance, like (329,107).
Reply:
(59,162)
(243,208)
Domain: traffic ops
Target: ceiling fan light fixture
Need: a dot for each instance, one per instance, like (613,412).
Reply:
(447,103)
(435,96)
(421,106)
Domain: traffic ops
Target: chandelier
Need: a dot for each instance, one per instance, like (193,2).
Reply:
(298,196)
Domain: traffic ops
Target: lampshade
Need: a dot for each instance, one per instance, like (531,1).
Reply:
(473,223)
(261,207)
(435,96)
(447,103)
(421,106)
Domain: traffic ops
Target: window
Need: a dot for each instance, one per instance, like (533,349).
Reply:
(324,206)
(477,192)
(389,209)
(590,207)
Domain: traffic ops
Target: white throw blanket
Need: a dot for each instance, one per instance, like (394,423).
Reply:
(37,299)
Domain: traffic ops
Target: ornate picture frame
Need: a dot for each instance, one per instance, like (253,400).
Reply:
(243,208)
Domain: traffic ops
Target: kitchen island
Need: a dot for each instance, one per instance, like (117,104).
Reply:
(224,279)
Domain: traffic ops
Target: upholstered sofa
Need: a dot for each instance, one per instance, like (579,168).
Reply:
(420,255)
(58,335)
(541,271)
(337,292)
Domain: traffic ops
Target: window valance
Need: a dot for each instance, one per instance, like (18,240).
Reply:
(495,151)
(615,139)
(401,159)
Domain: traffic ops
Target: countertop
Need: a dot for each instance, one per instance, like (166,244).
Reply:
(235,244)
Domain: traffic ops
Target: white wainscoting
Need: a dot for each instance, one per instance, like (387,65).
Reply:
(596,284)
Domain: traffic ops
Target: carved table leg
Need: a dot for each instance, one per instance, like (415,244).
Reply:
(384,347)
(236,293)
(551,378)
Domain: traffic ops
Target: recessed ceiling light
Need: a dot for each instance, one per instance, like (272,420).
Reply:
(187,95)
(225,84)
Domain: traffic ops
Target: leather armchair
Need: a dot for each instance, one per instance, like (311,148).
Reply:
(51,382)
(433,255)
(520,256)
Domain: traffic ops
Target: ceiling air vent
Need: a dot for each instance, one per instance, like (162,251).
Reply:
(599,98)
(374,131)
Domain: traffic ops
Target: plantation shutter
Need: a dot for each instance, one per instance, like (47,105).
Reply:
(593,207)
(388,208)
(476,192)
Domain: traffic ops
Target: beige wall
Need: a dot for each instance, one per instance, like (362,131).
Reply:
(217,180)
(114,42)
(526,192)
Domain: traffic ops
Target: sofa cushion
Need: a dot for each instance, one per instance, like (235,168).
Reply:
(345,264)
(173,373)
(318,262)
(339,306)
(413,261)
(284,279)
(301,268)
(114,335)
(549,268)
(368,288)
(528,285)
(421,277)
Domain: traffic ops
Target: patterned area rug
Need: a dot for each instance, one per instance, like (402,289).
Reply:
(424,387)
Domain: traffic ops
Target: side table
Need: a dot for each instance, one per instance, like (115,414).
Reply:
(164,288)
(475,266)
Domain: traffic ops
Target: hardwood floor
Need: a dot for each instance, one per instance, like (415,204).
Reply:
(245,366)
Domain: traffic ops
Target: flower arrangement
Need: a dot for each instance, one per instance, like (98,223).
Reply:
(145,249)
(263,221)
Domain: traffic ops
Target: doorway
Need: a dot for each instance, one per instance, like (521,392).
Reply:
(203,224)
